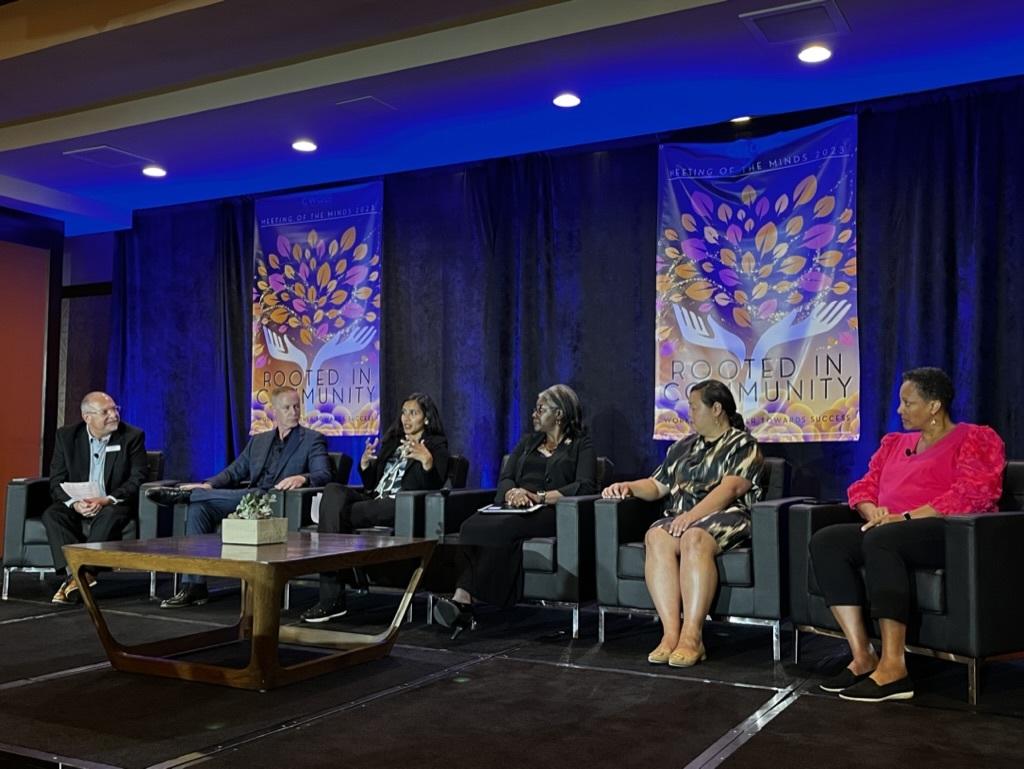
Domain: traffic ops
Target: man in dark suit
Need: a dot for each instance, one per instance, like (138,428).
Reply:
(104,450)
(285,458)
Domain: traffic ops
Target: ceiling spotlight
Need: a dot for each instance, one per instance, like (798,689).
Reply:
(743,119)
(566,100)
(155,171)
(304,145)
(813,54)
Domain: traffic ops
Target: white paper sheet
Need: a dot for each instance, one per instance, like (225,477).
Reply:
(80,491)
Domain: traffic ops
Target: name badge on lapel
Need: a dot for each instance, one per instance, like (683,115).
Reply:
(113,448)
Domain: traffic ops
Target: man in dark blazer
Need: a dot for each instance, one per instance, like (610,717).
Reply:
(287,457)
(108,452)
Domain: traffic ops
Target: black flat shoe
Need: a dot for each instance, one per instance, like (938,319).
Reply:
(189,595)
(868,691)
(843,680)
(168,495)
(454,615)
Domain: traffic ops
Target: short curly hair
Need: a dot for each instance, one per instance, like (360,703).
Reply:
(933,383)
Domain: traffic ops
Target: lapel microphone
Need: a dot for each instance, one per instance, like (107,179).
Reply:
(910,453)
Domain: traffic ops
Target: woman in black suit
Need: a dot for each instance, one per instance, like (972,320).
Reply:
(556,460)
(413,456)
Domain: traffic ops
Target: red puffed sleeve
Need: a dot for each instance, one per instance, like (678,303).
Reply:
(866,489)
(978,478)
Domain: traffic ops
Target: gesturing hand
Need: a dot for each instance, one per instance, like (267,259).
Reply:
(370,453)
(418,451)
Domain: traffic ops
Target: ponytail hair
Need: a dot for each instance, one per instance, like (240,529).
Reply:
(711,392)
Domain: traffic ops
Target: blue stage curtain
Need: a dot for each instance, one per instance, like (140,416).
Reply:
(505,276)
(180,350)
(509,276)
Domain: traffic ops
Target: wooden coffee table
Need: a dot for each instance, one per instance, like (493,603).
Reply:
(264,571)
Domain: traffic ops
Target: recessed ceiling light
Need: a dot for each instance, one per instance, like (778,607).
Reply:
(743,119)
(155,171)
(813,54)
(304,145)
(566,100)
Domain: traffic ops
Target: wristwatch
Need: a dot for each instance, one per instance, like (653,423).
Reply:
(541,496)
(906,516)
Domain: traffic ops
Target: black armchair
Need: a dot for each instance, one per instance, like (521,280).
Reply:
(557,571)
(752,580)
(25,545)
(966,612)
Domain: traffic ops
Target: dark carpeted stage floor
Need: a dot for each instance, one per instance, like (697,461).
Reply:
(516,692)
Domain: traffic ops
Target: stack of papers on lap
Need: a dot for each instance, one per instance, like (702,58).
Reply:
(82,490)
(500,509)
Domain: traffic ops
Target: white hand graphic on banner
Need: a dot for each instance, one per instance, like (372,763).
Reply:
(333,348)
(281,349)
(709,334)
(822,318)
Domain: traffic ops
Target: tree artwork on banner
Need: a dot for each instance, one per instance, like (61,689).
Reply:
(756,287)
(316,301)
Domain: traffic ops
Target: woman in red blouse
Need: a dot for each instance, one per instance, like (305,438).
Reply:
(937,468)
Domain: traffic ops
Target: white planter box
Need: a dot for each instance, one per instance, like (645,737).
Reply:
(262,531)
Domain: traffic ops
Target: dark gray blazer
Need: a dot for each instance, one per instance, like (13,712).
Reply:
(307,456)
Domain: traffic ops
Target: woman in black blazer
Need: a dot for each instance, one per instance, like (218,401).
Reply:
(556,460)
(413,456)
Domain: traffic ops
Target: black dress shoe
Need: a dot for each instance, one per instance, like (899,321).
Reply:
(869,691)
(189,595)
(168,495)
(843,680)
(454,615)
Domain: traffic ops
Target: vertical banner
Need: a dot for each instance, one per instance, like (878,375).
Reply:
(757,282)
(316,307)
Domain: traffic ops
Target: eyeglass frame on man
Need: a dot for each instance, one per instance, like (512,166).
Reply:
(105,412)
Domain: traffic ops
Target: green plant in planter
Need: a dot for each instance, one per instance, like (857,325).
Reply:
(254,506)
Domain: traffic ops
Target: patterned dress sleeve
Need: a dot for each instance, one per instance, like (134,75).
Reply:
(866,489)
(978,481)
(665,472)
(745,460)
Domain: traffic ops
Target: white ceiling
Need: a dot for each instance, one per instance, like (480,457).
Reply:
(216,90)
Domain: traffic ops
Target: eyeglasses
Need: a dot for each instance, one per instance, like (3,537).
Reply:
(105,412)
(540,410)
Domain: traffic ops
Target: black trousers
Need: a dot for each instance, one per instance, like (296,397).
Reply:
(66,527)
(490,554)
(888,555)
(342,511)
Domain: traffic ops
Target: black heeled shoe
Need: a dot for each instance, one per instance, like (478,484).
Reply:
(454,615)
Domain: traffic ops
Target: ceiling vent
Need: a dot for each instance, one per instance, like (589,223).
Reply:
(798,22)
(105,155)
